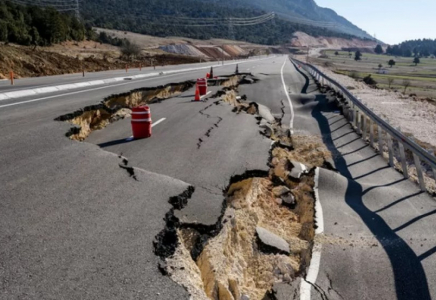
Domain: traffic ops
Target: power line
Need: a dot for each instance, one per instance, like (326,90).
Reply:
(59,5)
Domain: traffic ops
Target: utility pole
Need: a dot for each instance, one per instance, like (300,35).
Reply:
(77,10)
(222,54)
(231,30)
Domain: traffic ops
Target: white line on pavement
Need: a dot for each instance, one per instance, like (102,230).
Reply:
(158,121)
(291,125)
(83,91)
(312,274)
(208,93)
(35,91)
(99,88)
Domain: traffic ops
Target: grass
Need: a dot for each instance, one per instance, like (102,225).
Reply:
(422,76)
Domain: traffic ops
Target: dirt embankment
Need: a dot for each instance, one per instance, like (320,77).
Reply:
(27,62)
(302,39)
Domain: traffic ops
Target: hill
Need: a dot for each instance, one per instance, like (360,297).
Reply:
(307,11)
(173,18)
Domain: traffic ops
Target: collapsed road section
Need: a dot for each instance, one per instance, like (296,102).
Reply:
(262,242)
(116,107)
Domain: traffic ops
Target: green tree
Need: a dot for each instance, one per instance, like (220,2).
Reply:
(77,30)
(3,31)
(378,49)
(391,63)
(389,50)
(36,39)
(336,53)
(357,55)
(425,52)
(416,60)
(369,80)
(380,66)
(130,50)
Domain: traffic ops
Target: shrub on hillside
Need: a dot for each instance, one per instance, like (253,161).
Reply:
(369,80)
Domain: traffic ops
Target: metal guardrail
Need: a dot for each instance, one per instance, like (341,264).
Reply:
(361,118)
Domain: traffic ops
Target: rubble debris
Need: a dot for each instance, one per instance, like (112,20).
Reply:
(279,191)
(270,242)
(288,200)
(297,169)
(262,242)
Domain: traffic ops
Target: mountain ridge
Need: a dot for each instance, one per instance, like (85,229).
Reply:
(159,18)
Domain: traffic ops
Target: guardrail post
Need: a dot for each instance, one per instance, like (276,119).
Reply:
(403,160)
(391,150)
(371,133)
(364,128)
(419,171)
(380,140)
(357,121)
(434,174)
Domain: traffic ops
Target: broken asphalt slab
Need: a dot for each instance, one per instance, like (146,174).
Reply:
(272,242)
(232,147)
(82,224)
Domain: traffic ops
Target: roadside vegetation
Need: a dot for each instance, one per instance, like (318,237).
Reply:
(32,25)
(412,75)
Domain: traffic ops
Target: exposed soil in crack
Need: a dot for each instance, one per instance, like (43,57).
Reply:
(230,259)
(116,107)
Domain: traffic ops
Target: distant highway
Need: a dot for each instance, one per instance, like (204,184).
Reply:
(74,225)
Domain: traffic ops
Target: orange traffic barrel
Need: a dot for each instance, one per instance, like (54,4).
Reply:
(202,86)
(141,122)
(197,94)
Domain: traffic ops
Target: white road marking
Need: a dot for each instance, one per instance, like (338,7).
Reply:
(158,121)
(312,274)
(208,93)
(78,92)
(152,125)
(291,125)
(28,92)
(100,88)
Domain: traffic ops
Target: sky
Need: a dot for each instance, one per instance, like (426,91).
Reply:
(392,21)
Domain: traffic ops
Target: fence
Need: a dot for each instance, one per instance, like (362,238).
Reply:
(363,119)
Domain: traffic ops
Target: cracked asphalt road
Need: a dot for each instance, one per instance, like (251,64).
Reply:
(74,225)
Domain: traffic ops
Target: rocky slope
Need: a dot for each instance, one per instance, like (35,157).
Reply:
(302,39)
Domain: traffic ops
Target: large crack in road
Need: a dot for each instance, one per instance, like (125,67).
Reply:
(265,233)
(116,107)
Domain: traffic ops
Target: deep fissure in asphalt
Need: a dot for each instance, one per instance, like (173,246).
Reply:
(228,259)
(117,107)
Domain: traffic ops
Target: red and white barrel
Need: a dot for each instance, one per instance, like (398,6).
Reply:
(141,122)
(202,86)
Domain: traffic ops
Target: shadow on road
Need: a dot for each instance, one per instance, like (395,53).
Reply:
(410,279)
(116,142)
